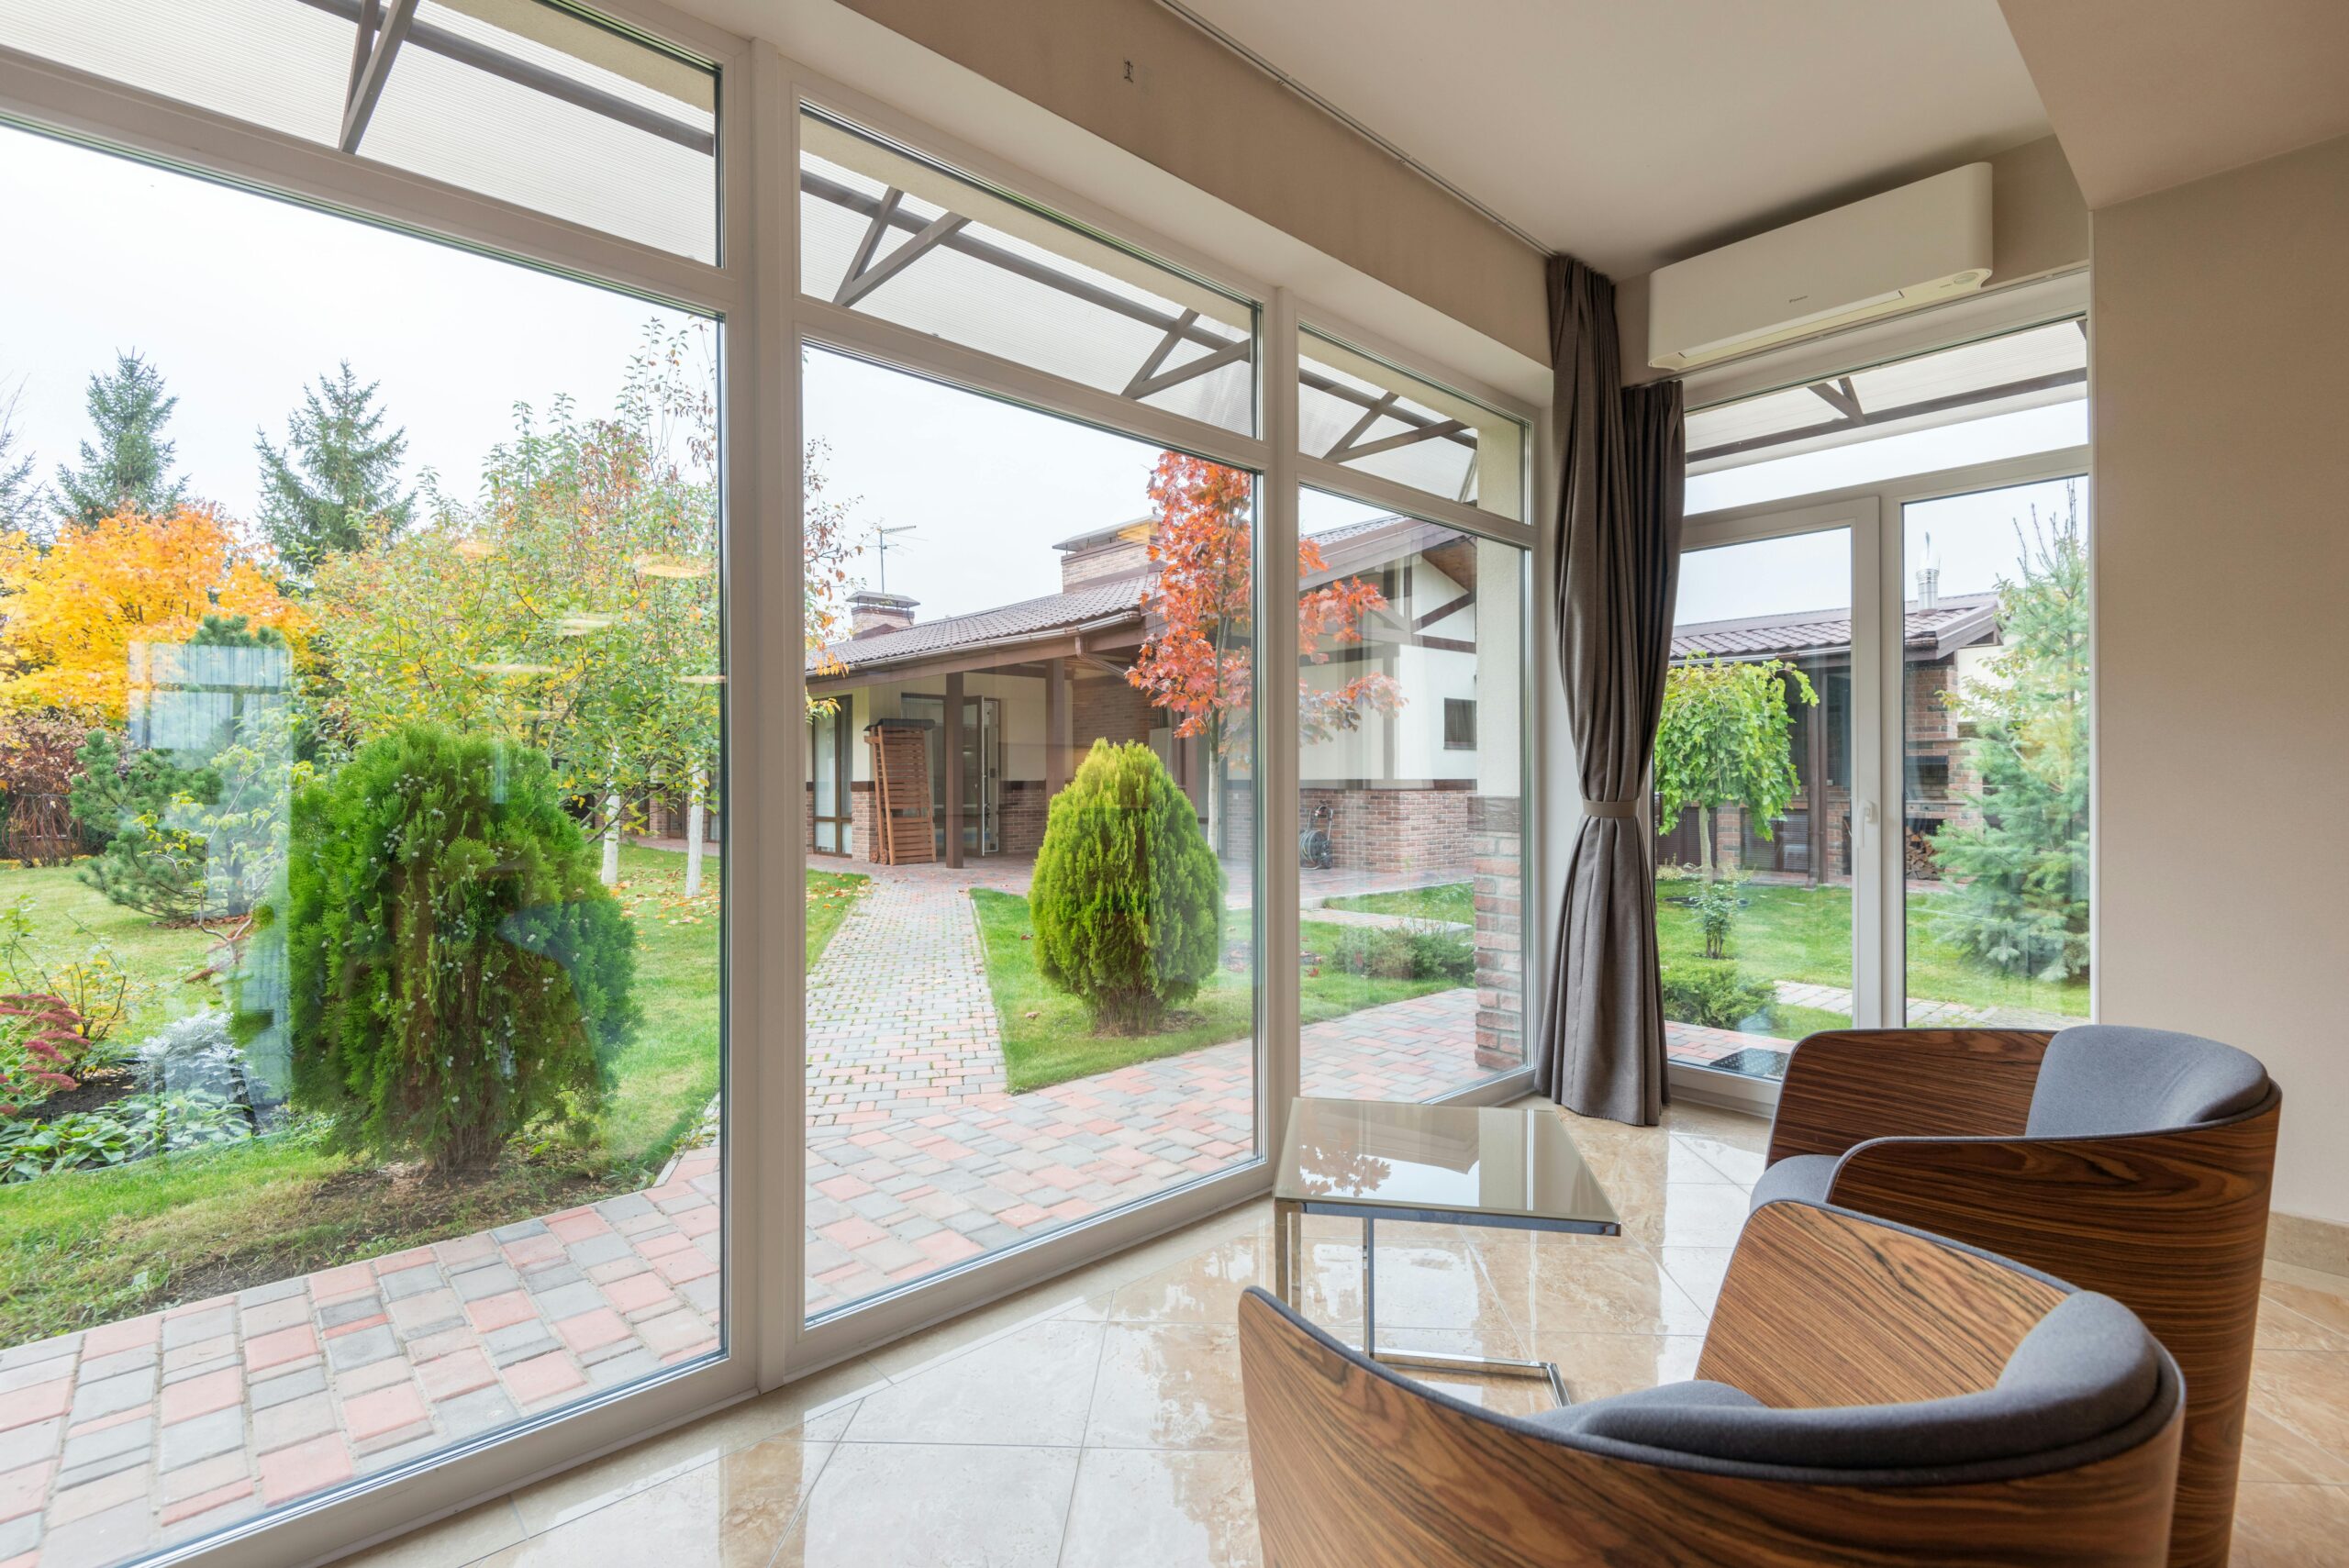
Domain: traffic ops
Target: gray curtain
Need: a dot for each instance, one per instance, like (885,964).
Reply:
(1600,1052)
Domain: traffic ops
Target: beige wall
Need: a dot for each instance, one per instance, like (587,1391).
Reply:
(1201,113)
(2220,397)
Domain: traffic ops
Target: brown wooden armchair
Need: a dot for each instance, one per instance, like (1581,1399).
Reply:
(1867,1395)
(2132,1161)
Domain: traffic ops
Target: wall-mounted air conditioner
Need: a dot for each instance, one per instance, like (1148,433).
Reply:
(1906,248)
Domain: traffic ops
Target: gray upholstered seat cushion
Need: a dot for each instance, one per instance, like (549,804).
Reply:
(2100,1079)
(2087,1369)
(1804,1176)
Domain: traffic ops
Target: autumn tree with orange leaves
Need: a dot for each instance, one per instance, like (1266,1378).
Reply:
(1199,662)
(69,615)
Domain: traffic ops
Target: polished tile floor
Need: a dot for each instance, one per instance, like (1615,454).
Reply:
(1097,1422)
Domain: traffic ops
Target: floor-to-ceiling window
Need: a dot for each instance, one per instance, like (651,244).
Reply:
(1872,775)
(1032,994)
(361,1044)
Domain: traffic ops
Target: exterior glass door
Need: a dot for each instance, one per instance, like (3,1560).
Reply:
(1756,863)
(831,751)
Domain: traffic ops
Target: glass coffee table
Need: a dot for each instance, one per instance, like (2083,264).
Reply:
(1372,1160)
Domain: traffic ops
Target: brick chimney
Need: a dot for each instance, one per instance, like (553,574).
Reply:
(871,613)
(1106,554)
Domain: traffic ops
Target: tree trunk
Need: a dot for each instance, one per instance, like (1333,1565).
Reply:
(694,829)
(1705,841)
(611,870)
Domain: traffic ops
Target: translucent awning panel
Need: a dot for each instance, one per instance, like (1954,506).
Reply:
(1363,413)
(543,109)
(279,63)
(2029,369)
(898,238)
(519,100)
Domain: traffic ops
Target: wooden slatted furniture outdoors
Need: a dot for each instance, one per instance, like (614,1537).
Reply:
(1925,1403)
(2132,1161)
(902,829)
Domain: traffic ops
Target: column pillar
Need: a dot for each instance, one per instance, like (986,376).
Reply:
(954,769)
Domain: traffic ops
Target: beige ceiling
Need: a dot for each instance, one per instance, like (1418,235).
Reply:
(1633,132)
(2148,93)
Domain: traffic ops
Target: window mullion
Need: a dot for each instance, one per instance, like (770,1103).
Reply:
(1275,899)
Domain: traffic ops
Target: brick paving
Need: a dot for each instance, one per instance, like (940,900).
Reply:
(134,1436)
(1698,1045)
(124,1438)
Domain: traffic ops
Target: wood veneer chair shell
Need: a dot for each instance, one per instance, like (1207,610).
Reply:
(2172,1224)
(1356,1468)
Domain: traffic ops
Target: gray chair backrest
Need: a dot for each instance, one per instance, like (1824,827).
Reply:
(2089,1370)
(2103,1079)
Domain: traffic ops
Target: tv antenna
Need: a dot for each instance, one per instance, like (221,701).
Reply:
(881,538)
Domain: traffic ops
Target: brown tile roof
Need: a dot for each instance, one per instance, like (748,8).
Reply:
(1958,621)
(1004,623)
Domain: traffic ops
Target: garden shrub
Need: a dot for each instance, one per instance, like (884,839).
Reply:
(1127,899)
(1717,904)
(456,971)
(1715,995)
(134,1127)
(1413,952)
(136,808)
(41,1047)
(198,1054)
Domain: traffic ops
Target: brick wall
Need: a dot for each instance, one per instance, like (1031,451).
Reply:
(1391,830)
(1497,840)
(1107,709)
(1025,804)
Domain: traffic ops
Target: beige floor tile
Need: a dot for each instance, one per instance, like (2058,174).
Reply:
(1687,1118)
(1599,1366)
(1734,1161)
(2283,1328)
(2307,1391)
(1168,1386)
(450,1543)
(2318,1304)
(2289,1526)
(1203,1288)
(1428,1278)
(1696,1214)
(1697,1270)
(1143,1508)
(902,1505)
(2273,1451)
(731,1512)
(1584,1285)
(935,1346)
(1032,1386)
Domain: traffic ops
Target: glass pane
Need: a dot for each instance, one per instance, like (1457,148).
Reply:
(888,234)
(2006,396)
(281,64)
(1754,803)
(370,1104)
(1363,413)
(528,103)
(1994,780)
(1411,791)
(1050,692)
(540,107)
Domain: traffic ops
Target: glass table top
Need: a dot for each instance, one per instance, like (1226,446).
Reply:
(1467,1161)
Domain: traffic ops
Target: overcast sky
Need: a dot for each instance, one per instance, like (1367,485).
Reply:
(240,301)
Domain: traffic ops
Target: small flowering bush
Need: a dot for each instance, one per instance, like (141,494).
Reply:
(42,1043)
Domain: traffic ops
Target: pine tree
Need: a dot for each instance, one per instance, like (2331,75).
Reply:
(336,481)
(130,469)
(24,501)
(2020,899)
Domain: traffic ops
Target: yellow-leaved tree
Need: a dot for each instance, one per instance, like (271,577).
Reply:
(70,613)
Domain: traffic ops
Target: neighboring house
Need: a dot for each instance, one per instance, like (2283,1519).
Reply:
(1945,638)
(1011,697)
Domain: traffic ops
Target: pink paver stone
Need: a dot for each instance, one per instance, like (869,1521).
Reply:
(492,1312)
(542,1378)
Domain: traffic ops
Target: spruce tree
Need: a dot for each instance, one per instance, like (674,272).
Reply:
(24,501)
(131,466)
(2020,897)
(337,479)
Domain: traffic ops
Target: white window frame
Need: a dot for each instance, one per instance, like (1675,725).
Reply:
(1873,513)
(753,290)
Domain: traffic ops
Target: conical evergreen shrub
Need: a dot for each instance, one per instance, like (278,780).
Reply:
(457,973)
(1127,899)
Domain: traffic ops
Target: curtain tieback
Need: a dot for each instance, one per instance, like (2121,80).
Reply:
(1623,810)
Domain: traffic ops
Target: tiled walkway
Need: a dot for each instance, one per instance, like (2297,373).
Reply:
(135,1435)
(918,1158)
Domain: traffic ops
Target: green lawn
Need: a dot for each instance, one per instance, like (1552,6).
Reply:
(1452,901)
(95,1246)
(1048,1037)
(1805,934)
